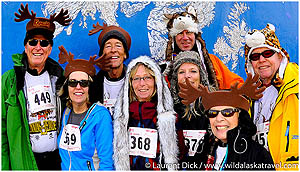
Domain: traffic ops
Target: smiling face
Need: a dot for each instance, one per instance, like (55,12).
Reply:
(114,48)
(189,71)
(78,95)
(185,40)
(220,124)
(37,55)
(143,84)
(266,67)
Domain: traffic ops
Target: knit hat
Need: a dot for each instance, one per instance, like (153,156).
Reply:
(40,25)
(76,64)
(181,58)
(264,38)
(109,32)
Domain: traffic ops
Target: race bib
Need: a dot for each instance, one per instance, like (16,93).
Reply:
(40,97)
(110,105)
(143,142)
(261,135)
(192,139)
(70,138)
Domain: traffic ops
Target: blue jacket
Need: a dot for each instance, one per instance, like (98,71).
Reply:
(97,134)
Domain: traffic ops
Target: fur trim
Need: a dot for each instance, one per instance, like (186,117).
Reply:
(165,113)
(166,128)
(183,23)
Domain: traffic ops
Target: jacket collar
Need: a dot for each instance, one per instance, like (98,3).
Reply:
(21,66)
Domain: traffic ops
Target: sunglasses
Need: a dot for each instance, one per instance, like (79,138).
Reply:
(265,54)
(34,42)
(225,112)
(82,83)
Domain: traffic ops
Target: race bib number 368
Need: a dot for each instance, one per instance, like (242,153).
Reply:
(143,142)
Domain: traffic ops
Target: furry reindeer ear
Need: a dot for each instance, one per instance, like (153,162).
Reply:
(191,10)
(167,18)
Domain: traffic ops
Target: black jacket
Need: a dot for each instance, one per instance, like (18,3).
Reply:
(98,84)
(243,152)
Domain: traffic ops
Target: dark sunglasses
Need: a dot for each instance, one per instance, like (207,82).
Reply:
(265,54)
(225,112)
(34,42)
(82,83)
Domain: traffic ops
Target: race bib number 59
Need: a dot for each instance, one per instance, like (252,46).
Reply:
(143,142)
(70,138)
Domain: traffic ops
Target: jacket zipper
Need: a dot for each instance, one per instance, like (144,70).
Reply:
(287,134)
(88,163)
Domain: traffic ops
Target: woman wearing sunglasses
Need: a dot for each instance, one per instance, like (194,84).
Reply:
(86,135)
(276,114)
(187,65)
(228,143)
(145,134)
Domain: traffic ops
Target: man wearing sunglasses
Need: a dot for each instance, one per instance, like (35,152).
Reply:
(276,114)
(30,120)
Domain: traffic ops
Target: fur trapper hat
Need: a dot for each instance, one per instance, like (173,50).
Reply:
(109,32)
(181,58)
(166,119)
(265,38)
(40,25)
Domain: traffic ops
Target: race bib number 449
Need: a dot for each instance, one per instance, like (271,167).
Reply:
(143,142)
(40,98)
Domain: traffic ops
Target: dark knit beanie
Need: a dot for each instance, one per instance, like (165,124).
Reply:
(109,32)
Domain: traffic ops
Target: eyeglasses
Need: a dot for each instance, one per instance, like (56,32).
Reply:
(145,78)
(225,112)
(34,42)
(265,54)
(82,83)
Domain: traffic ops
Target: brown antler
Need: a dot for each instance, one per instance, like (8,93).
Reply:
(62,17)
(97,28)
(64,56)
(249,88)
(24,14)
(92,59)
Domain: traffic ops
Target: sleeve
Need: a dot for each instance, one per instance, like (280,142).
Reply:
(104,140)
(224,76)
(5,161)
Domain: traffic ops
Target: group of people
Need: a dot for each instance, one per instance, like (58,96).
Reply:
(191,113)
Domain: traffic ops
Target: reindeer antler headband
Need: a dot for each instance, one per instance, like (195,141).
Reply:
(76,64)
(234,97)
(40,22)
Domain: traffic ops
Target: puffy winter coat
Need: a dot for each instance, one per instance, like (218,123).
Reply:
(16,148)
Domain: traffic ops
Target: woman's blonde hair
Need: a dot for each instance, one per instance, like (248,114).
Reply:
(132,95)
